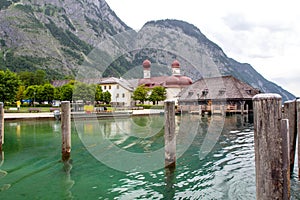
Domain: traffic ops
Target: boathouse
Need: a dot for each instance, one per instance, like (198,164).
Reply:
(217,95)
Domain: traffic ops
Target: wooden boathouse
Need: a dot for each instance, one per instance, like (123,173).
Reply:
(217,95)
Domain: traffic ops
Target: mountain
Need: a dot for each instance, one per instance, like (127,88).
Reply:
(55,35)
(199,56)
(87,39)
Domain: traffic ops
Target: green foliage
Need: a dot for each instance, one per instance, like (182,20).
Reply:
(4,4)
(30,92)
(140,94)
(33,78)
(67,38)
(117,68)
(20,94)
(25,8)
(98,93)
(83,91)
(106,97)
(69,23)
(158,93)
(9,85)
(66,92)
(46,92)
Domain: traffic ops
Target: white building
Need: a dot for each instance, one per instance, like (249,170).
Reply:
(120,90)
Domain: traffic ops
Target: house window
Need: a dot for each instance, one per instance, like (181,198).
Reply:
(117,95)
(117,86)
(104,87)
(109,87)
(123,95)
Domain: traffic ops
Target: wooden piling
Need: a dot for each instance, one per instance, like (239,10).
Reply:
(286,158)
(298,132)
(1,125)
(170,136)
(290,114)
(66,130)
(268,147)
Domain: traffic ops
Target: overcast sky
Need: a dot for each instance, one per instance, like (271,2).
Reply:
(263,33)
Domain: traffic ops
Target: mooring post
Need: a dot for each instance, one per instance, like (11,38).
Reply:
(1,125)
(66,130)
(268,145)
(298,132)
(170,136)
(286,158)
(291,115)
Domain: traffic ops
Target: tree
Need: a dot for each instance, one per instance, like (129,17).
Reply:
(20,94)
(83,91)
(98,93)
(107,97)
(67,92)
(9,85)
(57,93)
(158,93)
(31,92)
(140,93)
(46,92)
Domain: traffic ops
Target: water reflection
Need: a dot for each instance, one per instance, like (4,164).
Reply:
(68,182)
(226,172)
(2,172)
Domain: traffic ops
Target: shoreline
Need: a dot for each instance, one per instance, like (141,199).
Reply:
(50,115)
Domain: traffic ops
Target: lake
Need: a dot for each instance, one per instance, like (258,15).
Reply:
(124,158)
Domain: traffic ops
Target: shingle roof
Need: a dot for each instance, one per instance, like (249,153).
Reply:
(225,87)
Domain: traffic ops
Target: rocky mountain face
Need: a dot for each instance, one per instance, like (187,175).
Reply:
(199,56)
(86,38)
(55,35)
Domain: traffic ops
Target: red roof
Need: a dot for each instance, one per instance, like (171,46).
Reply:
(146,64)
(175,64)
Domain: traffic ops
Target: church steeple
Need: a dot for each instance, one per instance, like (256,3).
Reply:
(176,68)
(147,66)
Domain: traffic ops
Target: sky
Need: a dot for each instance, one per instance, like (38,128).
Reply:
(263,33)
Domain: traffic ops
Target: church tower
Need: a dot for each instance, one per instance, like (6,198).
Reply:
(147,66)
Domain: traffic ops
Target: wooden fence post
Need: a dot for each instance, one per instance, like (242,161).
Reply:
(66,130)
(1,125)
(170,136)
(290,114)
(298,132)
(268,144)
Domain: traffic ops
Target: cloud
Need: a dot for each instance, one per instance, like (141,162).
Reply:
(237,22)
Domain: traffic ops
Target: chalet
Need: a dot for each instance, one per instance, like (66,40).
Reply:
(227,91)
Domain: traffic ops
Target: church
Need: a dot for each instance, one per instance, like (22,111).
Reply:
(173,84)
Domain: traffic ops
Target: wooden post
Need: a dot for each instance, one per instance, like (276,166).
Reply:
(286,158)
(268,147)
(298,132)
(1,125)
(290,114)
(66,130)
(170,136)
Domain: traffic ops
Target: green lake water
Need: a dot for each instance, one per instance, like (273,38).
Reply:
(123,159)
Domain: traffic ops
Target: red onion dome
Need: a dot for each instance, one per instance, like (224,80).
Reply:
(184,80)
(175,64)
(146,64)
(178,81)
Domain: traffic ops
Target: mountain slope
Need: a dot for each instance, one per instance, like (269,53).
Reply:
(199,56)
(86,38)
(55,35)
